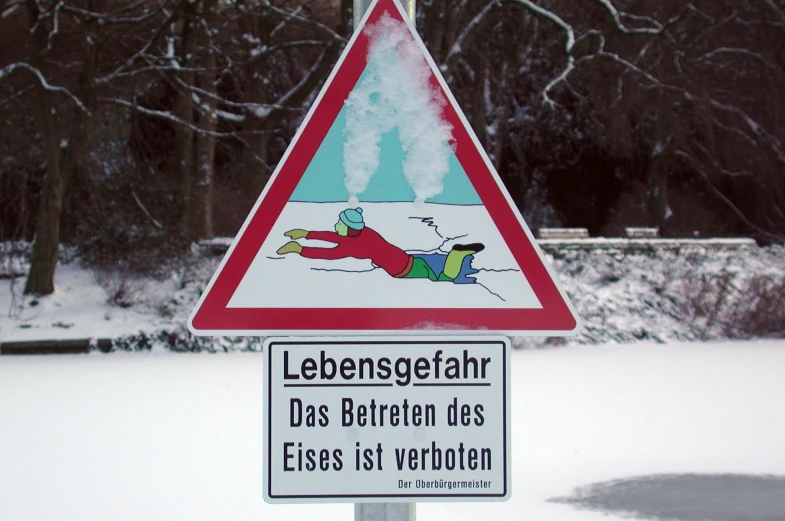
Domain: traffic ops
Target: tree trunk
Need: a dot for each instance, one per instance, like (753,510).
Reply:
(452,13)
(345,7)
(43,261)
(501,115)
(434,28)
(256,170)
(205,142)
(63,157)
(659,211)
(183,110)
(479,108)
(657,175)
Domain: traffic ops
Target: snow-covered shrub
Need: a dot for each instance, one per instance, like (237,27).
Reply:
(181,340)
(141,249)
(760,310)
(705,300)
(14,263)
(122,288)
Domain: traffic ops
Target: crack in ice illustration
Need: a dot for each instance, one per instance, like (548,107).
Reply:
(346,271)
(429,222)
(491,292)
(448,239)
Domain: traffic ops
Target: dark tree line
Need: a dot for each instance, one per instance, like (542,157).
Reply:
(157,122)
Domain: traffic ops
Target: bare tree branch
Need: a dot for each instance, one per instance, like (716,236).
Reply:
(109,18)
(735,51)
(155,221)
(617,20)
(335,36)
(56,24)
(286,20)
(473,23)
(735,209)
(774,7)
(754,126)
(162,28)
(568,46)
(8,69)
(168,116)
(309,77)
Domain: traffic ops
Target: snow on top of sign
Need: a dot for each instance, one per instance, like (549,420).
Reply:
(395,93)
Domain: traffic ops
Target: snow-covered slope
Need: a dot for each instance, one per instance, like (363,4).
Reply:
(661,297)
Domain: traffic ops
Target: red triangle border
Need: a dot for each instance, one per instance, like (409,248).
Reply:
(212,316)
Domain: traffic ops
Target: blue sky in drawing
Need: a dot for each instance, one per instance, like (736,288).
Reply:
(323,180)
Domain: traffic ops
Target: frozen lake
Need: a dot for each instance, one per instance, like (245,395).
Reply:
(160,436)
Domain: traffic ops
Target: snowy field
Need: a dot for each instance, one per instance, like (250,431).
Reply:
(160,436)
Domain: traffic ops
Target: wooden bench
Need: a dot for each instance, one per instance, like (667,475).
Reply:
(564,233)
(639,232)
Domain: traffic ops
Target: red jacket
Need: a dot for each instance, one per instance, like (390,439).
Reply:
(368,245)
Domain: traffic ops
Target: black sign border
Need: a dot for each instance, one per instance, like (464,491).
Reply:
(383,342)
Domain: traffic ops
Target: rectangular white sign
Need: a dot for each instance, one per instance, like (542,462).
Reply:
(405,419)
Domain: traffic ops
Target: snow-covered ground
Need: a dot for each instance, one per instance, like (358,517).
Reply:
(661,296)
(160,436)
(80,307)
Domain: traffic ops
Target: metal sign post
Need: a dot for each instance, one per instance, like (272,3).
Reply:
(383,511)
(360,6)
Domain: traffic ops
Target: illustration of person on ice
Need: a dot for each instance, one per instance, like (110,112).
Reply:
(352,238)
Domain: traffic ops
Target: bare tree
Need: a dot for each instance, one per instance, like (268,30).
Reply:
(677,83)
(61,62)
(237,71)
(195,100)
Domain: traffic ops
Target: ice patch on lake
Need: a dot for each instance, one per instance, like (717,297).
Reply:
(688,497)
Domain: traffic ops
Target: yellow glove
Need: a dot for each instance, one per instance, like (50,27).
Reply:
(290,247)
(297,233)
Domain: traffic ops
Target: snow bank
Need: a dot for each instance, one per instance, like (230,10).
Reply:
(661,295)
(657,296)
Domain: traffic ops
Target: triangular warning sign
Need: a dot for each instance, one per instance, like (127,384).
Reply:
(384,215)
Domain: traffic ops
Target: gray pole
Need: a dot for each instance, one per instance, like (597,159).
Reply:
(383,511)
(360,6)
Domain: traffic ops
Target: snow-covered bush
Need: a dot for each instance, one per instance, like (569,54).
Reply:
(181,340)
(760,309)
(123,288)
(706,299)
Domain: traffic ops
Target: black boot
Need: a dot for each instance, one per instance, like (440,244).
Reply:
(475,247)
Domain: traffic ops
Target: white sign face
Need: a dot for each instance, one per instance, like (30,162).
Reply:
(406,419)
(385,190)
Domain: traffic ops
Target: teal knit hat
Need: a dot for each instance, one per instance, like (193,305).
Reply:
(353,218)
